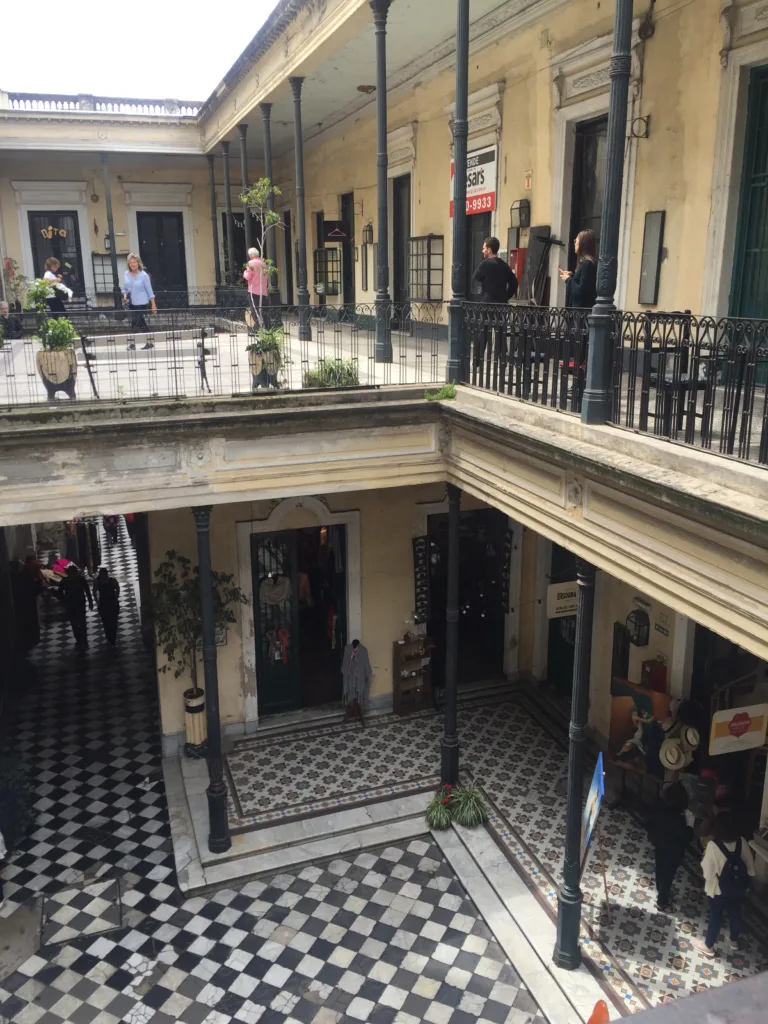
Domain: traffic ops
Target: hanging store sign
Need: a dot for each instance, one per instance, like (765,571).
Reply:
(738,729)
(562,599)
(481,180)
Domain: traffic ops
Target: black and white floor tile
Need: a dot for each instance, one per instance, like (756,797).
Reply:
(386,936)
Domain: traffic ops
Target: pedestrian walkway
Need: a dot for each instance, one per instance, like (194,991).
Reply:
(385,935)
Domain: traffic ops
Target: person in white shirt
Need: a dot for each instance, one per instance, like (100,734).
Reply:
(728,865)
(52,275)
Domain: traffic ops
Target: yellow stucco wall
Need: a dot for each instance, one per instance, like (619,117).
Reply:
(388,520)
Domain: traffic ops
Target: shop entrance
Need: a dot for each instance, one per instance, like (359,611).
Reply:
(562,631)
(300,613)
(481,594)
(478,229)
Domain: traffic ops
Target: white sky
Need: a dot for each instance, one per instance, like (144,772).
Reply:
(148,49)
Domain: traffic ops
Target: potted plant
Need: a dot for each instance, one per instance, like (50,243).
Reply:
(265,352)
(56,362)
(15,285)
(175,614)
(258,201)
(332,373)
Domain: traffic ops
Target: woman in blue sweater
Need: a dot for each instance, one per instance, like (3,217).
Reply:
(138,295)
(581,284)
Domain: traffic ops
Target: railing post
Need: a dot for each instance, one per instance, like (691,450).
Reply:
(383,345)
(271,246)
(214,218)
(111,232)
(567,952)
(243,129)
(449,747)
(229,262)
(598,395)
(219,840)
(305,329)
(456,325)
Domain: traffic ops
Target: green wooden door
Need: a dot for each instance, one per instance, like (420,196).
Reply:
(276,619)
(749,287)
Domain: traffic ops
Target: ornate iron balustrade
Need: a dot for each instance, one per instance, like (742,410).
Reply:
(189,352)
(537,354)
(699,380)
(55,103)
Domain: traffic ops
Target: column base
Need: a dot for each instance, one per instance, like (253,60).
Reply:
(596,408)
(567,953)
(449,761)
(219,839)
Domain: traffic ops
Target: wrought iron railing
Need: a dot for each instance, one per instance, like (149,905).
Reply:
(698,380)
(534,353)
(124,355)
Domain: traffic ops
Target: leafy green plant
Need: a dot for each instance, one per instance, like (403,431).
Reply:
(56,333)
(175,611)
(258,201)
(15,282)
(268,340)
(446,391)
(467,806)
(332,373)
(17,801)
(438,811)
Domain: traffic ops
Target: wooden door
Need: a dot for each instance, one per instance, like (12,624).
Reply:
(162,251)
(58,234)
(276,621)
(589,163)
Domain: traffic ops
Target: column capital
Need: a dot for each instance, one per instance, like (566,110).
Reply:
(585,572)
(380,10)
(225,147)
(202,517)
(266,110)
(453,492)
(296,84)
(243,129)
(210,157)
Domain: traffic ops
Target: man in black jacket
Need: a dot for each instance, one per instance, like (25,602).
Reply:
(499,285)
(74,592)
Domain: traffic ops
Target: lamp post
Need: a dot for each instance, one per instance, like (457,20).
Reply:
(219,840)
(567,953)
(453,370)
(229,267)
(243,129)
(383,345)
(597,402)
(214,218)
(305,330)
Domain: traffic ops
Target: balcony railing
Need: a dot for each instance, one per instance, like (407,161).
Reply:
(186,353)
(38,102)
(695,380)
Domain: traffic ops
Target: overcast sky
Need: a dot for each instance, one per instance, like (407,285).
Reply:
(162,49)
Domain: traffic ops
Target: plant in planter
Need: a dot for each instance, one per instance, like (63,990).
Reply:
(332,373)
(257,201)
(57,362)
(15,285)
(175,614)
(265,352)
(463,804)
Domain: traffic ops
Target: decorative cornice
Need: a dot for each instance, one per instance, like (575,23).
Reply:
(401,144)
(586,68)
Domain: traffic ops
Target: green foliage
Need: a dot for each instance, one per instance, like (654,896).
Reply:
(15,282)
(438,815)
(17,801)
(468,807)
(332,373)
(268,339)
(60,334)
(37,293)
(446,391)
(175,611)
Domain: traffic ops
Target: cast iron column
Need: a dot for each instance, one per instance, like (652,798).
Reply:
(597,403)
(229,264)
(271,244)
(383,347)
(243,129)
(214,219)
(305,330)
(567,952)
(449,770)
(111,233)
(453,370)
(219,840)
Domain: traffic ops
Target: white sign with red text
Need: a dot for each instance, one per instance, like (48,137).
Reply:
(481,180)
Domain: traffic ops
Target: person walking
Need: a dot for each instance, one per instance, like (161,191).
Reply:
(138,296)
(74,592)
(670,835)
(581,284)
(498,285)
(111,526)
(728,865)
(106,589)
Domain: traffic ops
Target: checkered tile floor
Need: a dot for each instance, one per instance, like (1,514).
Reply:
(387,936)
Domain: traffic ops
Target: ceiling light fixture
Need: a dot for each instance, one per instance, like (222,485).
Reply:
(367,89)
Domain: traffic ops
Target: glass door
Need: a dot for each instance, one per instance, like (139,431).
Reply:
(58,234)
(276,620)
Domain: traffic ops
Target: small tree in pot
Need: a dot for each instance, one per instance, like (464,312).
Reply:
(176,616)
(57,362)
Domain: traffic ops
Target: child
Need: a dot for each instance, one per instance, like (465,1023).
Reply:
(670,835)
(728,865)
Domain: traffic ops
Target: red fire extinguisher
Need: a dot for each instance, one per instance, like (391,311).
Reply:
(517,258)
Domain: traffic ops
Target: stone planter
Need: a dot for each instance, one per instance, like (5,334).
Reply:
(58,371)
(195,723)
(255,363)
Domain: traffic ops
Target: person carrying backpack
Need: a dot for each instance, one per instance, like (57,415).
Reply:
(728,865)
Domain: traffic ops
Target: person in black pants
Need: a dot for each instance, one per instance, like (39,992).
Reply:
(107,591)
(498,285)
(670,835)
(74,592)
(581,284)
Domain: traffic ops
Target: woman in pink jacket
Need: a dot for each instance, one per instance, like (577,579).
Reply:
(258,281)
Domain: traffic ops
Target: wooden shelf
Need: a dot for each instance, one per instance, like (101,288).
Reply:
(412,691)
